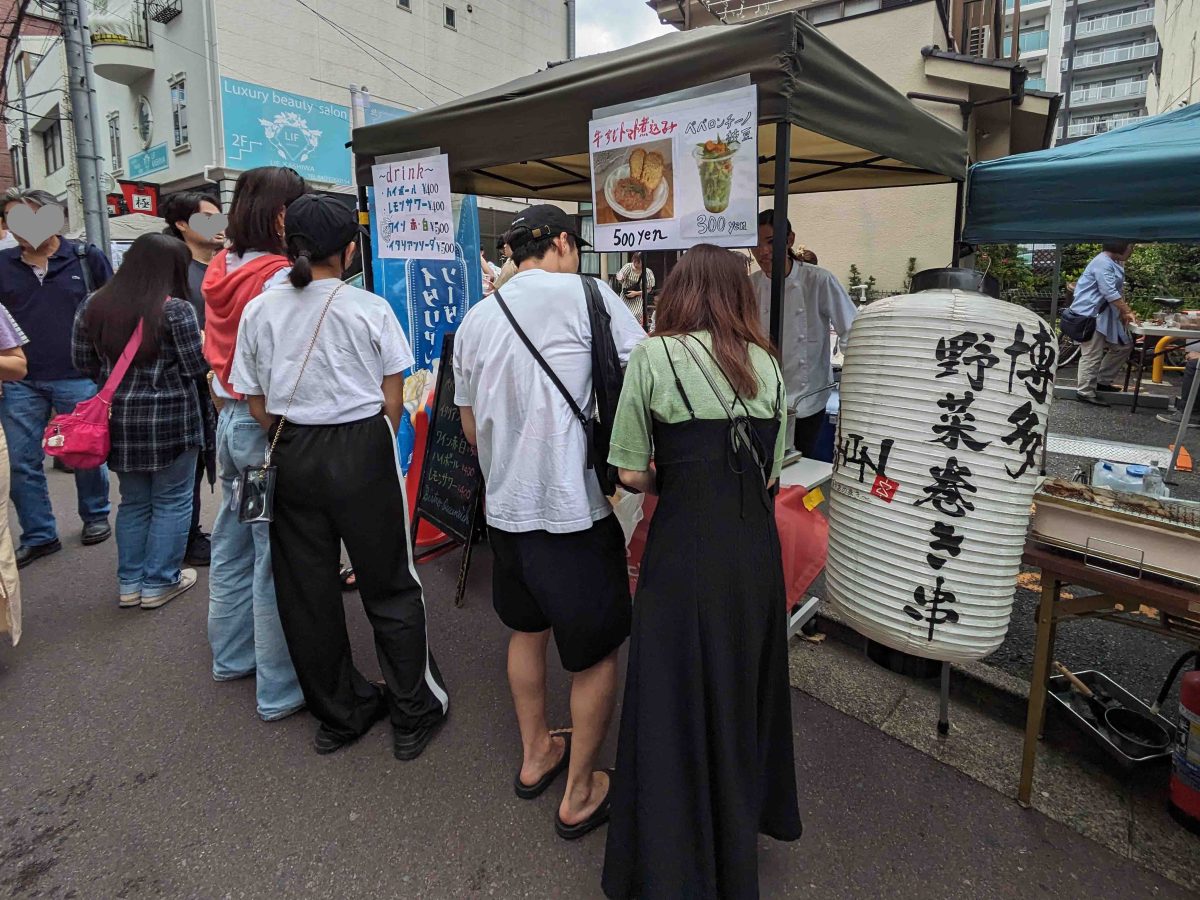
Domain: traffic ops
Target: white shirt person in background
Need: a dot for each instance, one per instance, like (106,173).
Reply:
(339,482)
(814,302)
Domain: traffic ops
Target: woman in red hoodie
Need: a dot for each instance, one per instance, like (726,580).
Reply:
(243,621)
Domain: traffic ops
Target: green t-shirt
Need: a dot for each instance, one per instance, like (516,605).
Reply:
(650,393)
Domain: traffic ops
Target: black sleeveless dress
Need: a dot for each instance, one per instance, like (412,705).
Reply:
(704,758)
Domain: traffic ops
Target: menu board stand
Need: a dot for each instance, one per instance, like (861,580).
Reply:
(450,490)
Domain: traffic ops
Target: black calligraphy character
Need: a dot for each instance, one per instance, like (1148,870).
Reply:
(969,350)
(957,425)
(946,492)
(857,453)
(944,541)
(1028,434)
(1042,354)
(933,610)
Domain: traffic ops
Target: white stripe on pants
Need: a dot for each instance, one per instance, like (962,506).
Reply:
(1100,362)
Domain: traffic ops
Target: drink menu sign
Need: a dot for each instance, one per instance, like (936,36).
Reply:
(414,218)
(676,175)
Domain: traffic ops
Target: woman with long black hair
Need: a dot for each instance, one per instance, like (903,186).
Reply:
(321,364)
(155,422)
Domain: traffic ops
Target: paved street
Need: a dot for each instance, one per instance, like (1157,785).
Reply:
(126,772)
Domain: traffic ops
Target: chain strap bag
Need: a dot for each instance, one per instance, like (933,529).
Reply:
(254,489)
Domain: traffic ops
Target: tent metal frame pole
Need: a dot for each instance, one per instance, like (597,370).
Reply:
(779,247)
(960,198)
(1188,406)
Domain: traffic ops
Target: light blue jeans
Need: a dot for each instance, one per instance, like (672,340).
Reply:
(153,521)
(25,412)
(243,620)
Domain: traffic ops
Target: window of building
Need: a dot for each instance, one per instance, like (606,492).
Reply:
(179,120)
(114,141)
(828,13)
(858,7)
(451,18)
(404,4)
(52,145)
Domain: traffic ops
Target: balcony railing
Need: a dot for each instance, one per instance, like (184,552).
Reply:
(1110,24)
(1104,93)
(1035,84)
(1087,129)
(1030,41)
(1114,55)
(126,28)
(1026,5)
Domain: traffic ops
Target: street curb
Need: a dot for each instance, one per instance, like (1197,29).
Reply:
(989,689)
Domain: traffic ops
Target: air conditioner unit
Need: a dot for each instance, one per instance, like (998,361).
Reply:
(979,41)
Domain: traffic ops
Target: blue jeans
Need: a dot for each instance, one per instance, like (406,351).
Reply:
(243,620)
(25,412)
(153,521)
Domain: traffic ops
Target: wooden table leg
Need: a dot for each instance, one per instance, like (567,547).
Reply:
(1037,686)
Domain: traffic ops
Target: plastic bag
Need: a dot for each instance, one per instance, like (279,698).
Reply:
(627,507)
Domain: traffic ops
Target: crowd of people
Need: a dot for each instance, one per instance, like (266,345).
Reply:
(242,356)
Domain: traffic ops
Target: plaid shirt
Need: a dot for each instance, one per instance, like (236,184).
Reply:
(156,411)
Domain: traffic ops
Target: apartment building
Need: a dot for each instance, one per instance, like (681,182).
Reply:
(1101,55)
(32,25)
(192,93)
(945,48)
(1176,79)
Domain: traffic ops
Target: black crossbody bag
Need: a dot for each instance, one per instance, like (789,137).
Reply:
(597,442)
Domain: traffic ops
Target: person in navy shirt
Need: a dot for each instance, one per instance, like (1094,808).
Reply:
(42,287)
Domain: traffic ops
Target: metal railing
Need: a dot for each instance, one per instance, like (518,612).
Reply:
(1030,42)
(1113,55)
(1107,24)
(127,27)
(1087,129)
(1103,93)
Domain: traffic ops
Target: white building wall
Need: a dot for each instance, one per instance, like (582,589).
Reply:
(1178,83)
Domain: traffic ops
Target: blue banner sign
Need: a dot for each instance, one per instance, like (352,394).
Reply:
(148,161)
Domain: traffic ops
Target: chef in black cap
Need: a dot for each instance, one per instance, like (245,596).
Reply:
(322,363)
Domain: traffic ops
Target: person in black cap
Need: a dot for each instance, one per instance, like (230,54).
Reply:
(321,364)
(559,552)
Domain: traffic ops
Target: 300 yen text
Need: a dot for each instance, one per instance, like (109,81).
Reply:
(721,225)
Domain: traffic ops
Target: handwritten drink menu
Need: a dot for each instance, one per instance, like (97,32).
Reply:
(679,174)
(413,214)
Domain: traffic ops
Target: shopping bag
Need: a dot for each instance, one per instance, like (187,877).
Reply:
(803,540)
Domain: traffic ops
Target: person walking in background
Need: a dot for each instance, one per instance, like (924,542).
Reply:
(559,551)
(629,280)
(12,368)
(42,288)
(704,758)
(322,365)
(243,621)
(155,421)
(178,210)
(814,303)
(1099,294)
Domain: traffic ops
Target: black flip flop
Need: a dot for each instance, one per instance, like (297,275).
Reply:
(533,791)
(592,822)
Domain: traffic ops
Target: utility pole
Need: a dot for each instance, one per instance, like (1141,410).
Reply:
(78,44)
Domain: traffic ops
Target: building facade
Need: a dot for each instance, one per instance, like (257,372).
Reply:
(948,50)
(1101,55)
(1176,79)
(12,112)
(192,93)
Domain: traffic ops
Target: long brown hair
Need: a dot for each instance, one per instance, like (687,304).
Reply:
(709,290)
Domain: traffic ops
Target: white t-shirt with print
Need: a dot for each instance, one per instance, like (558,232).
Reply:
(360,342)
(531,447)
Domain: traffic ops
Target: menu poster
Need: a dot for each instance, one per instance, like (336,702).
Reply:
(413,215)
(677,175)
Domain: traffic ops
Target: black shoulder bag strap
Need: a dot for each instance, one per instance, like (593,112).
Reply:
(81,251)
(562,388)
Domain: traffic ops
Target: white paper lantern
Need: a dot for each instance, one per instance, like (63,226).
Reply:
(944,400)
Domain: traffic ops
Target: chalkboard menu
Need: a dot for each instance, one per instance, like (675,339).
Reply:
(451,481)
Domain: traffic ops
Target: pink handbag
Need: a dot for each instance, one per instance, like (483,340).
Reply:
(81,438)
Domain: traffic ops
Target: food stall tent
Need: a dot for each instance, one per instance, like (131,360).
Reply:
(825,122)
(1138,183)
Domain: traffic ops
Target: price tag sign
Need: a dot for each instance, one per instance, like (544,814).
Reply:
(414,218)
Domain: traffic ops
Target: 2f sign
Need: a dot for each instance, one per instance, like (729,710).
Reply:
(412,210)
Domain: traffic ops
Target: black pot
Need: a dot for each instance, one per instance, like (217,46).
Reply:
(951,279)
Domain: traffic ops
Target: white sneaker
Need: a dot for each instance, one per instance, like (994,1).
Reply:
(129,600)
(187,578)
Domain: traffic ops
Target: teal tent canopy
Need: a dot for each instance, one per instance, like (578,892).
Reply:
(1139,183)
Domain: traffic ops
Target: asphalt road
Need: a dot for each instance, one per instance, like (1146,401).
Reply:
(126,772)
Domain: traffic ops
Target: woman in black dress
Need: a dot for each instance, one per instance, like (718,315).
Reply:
(704,761)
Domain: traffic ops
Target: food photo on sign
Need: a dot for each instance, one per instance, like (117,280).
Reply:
(674,174)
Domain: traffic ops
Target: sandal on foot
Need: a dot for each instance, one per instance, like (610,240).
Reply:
(592,822)
(533,791)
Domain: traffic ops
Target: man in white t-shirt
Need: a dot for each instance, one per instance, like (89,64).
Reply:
(559,552)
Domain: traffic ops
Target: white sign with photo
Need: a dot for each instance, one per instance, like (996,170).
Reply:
(413,213)
(676,175)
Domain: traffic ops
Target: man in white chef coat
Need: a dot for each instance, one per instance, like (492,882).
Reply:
(813,304)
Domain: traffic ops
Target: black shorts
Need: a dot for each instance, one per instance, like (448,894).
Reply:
(576,584)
